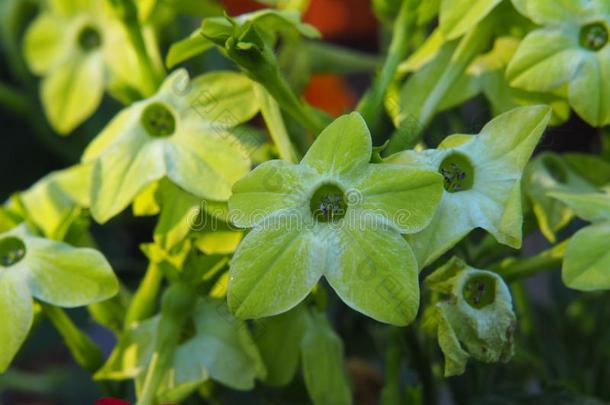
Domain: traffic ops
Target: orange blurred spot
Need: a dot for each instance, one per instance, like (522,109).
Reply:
(330,93)
(336,19)
(342,19)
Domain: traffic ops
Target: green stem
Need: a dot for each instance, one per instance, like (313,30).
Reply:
(326,57)
(86,353)
(391,394)
(469,47)
(422,364)
(371,105)
(306,115)
(275,123)
(518,269)
(14,100)
(144,300)
(176,308)
(128,13)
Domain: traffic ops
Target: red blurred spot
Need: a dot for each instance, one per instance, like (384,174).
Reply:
(111,401)
(330,93)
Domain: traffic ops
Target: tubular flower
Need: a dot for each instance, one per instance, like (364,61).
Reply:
(333,215)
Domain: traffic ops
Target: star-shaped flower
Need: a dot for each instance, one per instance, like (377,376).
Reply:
(333,215)
(482,180)
(183,133)
(50,271)
(571,48)
(80,48)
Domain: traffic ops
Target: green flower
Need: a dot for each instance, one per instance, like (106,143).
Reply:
(476,321)
(80,48)
(333,215)
(551,173)
(482,180)
(183,132)
(50,271)
(217,346)
(570,49)
(587,260)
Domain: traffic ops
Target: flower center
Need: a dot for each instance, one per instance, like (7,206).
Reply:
(328,203)
(12,250)
(158,120)
(555,169)
(457,172)
(594,36)
(89,38)
(480,291)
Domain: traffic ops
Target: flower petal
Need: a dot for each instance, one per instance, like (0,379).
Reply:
(73,91)
(66,276)
(407,197)
(204,163)
(342,149)
(271,186)
(16,314)
(45,45)
(373,269)
(122,172)
(545,60)
(590,90)
(276,265)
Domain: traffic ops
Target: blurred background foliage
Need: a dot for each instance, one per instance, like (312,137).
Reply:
(563,351)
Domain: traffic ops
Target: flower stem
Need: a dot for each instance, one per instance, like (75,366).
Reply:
(144,301)
(371,105)
(325,58)
(518,269)
(176,307)
(128,13)
(275,123)
(86,353)
(469,47)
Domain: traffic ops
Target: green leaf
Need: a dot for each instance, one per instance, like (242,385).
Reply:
(16,314)
(279,338)
(187,48)
(594,207)
(323,369)
(375,271)
(587,259)
(272,280)
(73,91)
(343,148)
(272,21)
(590,167)
(459,16)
